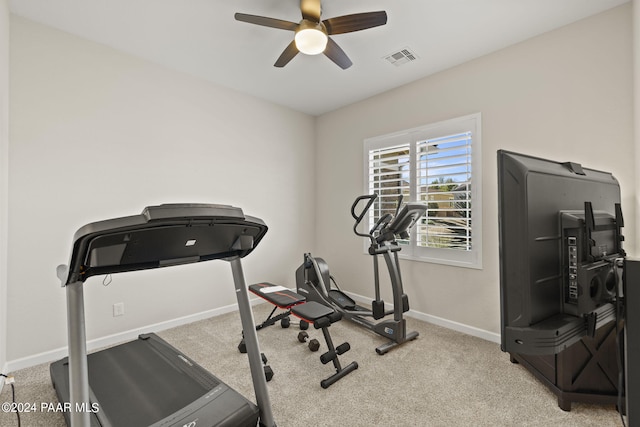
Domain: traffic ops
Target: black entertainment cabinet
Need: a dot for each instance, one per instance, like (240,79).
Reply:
(586,372)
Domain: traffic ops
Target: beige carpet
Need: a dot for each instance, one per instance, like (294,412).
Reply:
(444,378)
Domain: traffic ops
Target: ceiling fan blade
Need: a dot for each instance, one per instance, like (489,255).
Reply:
(311,10)
(337,55)
(355,22)
(266,22)
(287,55)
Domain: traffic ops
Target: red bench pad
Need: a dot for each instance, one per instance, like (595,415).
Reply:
(283,298)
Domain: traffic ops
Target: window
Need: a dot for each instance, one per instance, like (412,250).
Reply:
(440,165)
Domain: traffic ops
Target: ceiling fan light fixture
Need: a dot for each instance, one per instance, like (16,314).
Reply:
(310,38)
(312,33)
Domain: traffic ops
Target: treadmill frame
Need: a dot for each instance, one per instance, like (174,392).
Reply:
(153,217)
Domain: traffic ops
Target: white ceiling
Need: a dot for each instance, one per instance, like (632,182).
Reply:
(202,38)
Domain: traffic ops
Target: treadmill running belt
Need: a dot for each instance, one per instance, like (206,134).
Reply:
(141,371)
(145,381)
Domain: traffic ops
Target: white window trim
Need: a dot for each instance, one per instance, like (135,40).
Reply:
(473,123)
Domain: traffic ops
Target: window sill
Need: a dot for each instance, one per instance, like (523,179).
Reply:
(477,265)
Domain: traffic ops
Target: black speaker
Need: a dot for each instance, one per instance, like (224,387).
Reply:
(631,281)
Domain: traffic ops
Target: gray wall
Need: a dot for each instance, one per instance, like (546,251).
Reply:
(4,173)
(97,134)
(636,110)
(565,95)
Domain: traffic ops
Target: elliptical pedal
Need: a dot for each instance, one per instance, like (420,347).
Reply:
(343,301)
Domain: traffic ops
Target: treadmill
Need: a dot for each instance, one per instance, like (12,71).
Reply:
(148,382)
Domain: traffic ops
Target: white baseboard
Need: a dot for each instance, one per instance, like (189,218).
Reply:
(110,340)
(456,326)
(59,353)
(449,324)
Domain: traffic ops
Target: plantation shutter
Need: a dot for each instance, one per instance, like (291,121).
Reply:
(443,169)
(440,165)
(389,177)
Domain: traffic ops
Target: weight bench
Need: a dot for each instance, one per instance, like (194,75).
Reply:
(282,298)
(312,313)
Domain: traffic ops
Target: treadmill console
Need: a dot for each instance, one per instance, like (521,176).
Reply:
(162,236)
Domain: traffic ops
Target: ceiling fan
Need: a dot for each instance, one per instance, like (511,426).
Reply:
(312,34)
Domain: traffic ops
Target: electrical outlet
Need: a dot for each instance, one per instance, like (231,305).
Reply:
(118,309)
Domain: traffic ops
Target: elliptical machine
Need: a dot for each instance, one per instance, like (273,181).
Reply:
(313,279)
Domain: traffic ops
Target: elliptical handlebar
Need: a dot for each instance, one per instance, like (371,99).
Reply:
(399,203)
(381,223)
(388,227)
(371,198)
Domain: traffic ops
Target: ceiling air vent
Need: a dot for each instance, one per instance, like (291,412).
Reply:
(401,57)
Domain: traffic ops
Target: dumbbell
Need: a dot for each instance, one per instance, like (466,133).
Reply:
(285,322)
(314,344)
(268,372)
